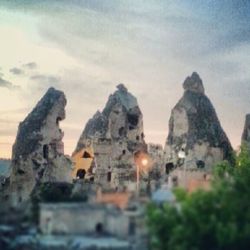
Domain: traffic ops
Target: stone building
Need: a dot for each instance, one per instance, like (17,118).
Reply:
(196,140)
(115,135)
(38,152)
(100,223)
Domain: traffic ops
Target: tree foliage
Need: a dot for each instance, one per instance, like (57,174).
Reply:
(218,219)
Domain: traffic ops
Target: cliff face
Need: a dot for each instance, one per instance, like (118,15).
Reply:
(195,129)
(115,134)
(38,152)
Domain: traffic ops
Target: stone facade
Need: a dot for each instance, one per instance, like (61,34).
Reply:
(195,131)
(115,134)
(38,152)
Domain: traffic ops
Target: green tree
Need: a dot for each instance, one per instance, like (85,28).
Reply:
(218,219)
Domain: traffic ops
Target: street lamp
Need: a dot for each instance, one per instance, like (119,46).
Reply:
(143,162)
(182,156)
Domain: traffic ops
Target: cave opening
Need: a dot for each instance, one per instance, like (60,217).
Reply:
(99,228)
(133,119)
(122,131)
(109,175)
(46,151)
(86,155)
(80,174)
(169,167)
(200,164)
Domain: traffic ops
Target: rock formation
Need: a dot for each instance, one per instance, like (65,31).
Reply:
(155,152)
(38,152)
(115,135)
(195,132)
(245,139)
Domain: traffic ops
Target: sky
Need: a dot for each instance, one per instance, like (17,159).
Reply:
(87,47)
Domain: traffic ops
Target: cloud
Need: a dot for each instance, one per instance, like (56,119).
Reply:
(30,65)
(5,84)
(45,79)
(16,71)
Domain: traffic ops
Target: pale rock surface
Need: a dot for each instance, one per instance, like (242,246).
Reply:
(115,135)
(195,128)
(38,152)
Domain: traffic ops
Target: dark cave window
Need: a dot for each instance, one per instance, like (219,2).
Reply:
(121,131)
(92,179)
(142,135)
(133,119)
(109,176)
(20,171)
(45,151)
(200,164)
(86,155)
(99,228)
(168,167)
(137,137)
(131,127)
(20,199)
(123,151)
(81,173)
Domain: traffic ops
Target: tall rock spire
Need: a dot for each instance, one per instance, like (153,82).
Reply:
(114,136)
(38,152)
(245,139)
(195,129)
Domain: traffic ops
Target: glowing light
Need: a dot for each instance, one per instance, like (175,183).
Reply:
(144,162)
(182,154)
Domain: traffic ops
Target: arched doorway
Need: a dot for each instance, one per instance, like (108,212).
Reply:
(80,174)
(99,228)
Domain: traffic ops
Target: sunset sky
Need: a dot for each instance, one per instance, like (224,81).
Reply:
(86,48)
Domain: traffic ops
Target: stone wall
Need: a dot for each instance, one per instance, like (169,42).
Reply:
(83,219)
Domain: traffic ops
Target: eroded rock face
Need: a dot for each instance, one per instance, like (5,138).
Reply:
(245,139)
(38,152)
(115,134)
(195,129)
